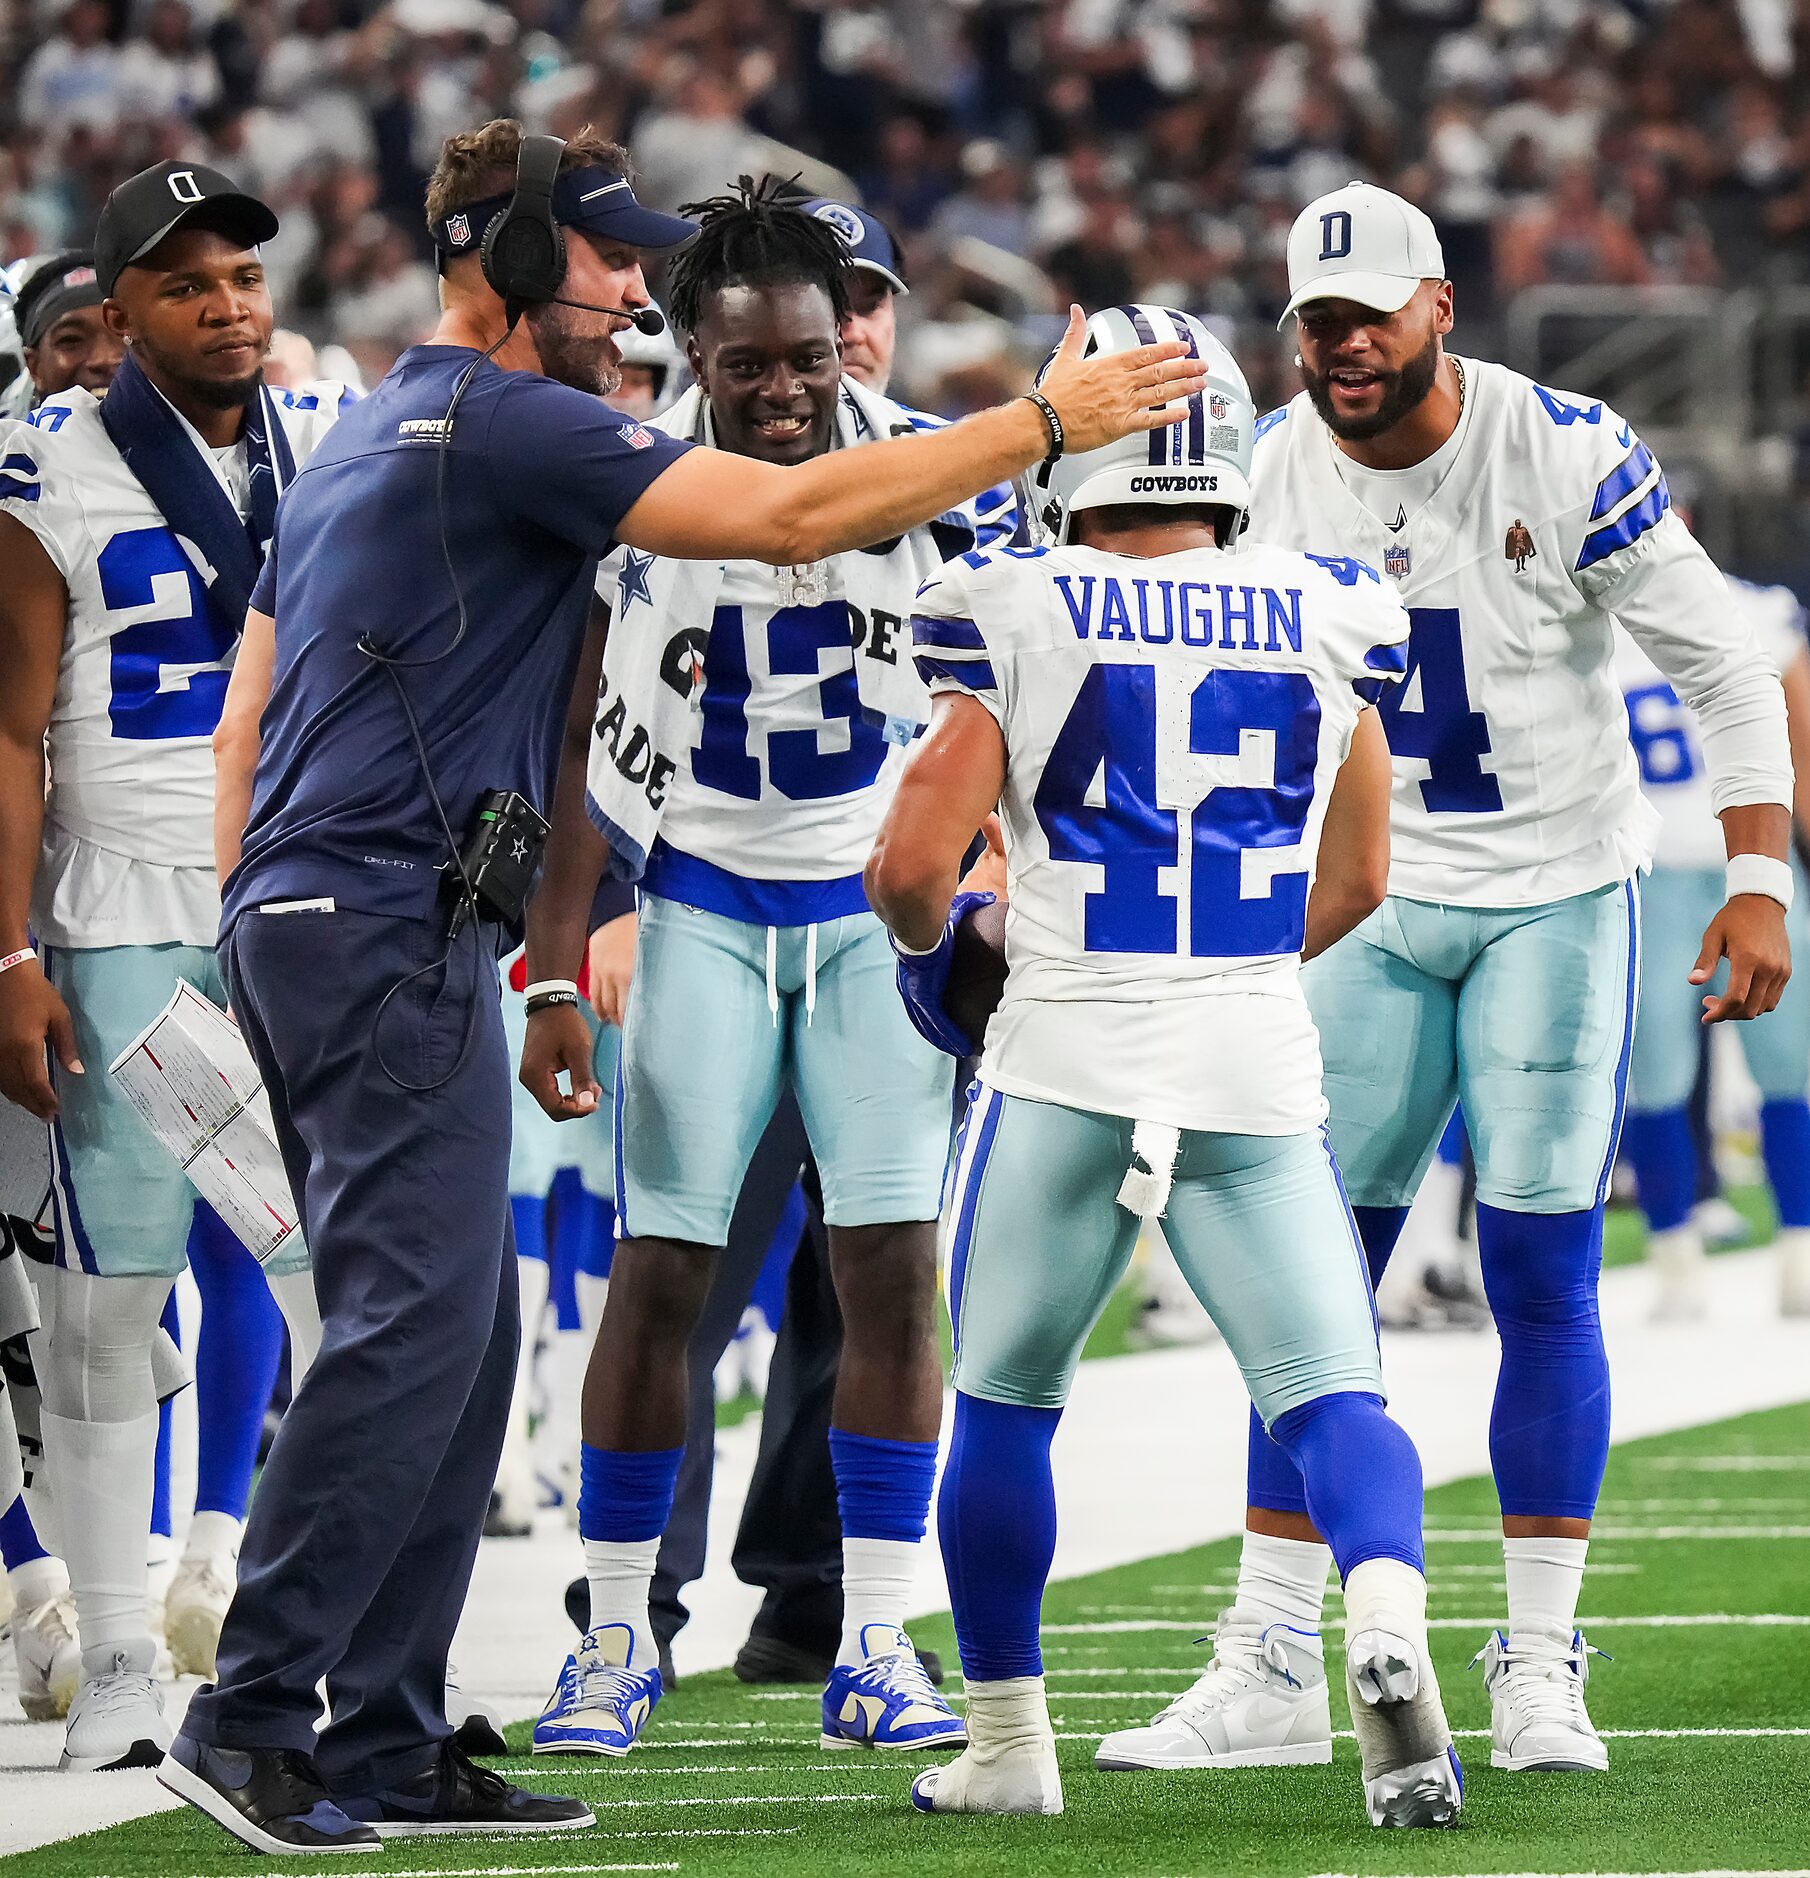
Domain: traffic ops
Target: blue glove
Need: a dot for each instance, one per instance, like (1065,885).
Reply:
(924,977)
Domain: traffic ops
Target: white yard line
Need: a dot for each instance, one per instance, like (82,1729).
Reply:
(1119,1499)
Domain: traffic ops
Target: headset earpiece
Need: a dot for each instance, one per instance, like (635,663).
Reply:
(524,249)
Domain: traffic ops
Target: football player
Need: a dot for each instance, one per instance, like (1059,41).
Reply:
(1676,902)
(1167,729)
(757,959)
(1519,524)
(130,531)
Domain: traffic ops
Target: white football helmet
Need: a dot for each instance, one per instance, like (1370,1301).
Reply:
(1203,460)
(656,353)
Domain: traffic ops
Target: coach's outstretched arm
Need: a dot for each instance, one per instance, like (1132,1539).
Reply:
(711,504)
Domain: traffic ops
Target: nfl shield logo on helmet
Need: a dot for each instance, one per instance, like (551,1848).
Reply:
(1396,560)
(1217,406)
(458,230)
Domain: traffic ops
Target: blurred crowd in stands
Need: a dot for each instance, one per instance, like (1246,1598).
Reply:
(1147,148)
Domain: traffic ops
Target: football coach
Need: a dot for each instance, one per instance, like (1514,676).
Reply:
(394,722)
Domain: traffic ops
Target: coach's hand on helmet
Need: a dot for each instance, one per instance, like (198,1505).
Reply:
(559,1042)
(1113,394)
(33,1015)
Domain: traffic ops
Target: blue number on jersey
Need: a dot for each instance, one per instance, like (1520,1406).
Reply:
(1564,413)
(1223,922)
(51,417)
(797,638)
(146,568)
(1110,732)
(1111,727)
(1660,730)
(1445,733)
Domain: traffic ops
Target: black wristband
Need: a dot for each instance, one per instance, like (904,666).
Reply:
(546,1000)
(1057,438)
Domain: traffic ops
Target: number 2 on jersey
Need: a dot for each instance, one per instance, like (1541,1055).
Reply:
(1445,733)
(1110,733)
(144,571)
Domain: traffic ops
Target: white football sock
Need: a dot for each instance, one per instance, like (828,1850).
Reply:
(1283,1581)
(558,1440)
(294,1295)
(516,1462)
(1545,1579)
(103,1471)
(38,1581)
(621,1574)
(213,1536)
(877,1580)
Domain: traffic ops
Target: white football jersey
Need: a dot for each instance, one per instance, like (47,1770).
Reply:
(1668,745)
(128,852)
(786,780)
(1173,727)
(1516,550)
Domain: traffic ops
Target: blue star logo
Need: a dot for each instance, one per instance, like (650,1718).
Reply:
(632,584)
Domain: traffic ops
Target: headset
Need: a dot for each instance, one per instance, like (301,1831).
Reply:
(523,255)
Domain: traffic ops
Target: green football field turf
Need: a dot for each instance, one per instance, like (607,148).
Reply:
(1700,1587)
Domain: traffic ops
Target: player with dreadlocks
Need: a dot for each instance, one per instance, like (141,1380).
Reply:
(748,738)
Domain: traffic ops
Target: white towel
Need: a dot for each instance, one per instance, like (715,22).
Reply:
(653,661)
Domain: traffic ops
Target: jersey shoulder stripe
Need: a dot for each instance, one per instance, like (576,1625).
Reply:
(1627,528)
(19,477)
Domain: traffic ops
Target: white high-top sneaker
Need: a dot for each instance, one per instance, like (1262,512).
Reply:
(1261,1703)
(117,1718)
(49,1654)
(1679,1268)
(1009,1764)
(1537,1714)
(195,1608)
(1793,1249)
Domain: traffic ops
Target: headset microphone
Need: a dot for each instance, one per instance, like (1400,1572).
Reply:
(649,321)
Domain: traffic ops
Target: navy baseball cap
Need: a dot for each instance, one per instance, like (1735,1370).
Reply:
(596,200)
(868,239)
(167,196)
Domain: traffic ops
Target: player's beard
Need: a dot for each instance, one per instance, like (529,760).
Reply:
(218,394)
(1403,391)
(573,351)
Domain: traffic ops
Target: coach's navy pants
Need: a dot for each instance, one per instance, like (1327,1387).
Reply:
(364,1527)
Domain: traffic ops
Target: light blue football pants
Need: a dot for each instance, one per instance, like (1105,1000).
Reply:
(723,1012)
(1524,1013)
(1257,1223)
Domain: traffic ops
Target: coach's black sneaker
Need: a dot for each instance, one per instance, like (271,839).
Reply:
(455,1795)
(272,1798)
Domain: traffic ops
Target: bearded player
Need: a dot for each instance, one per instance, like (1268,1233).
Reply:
(1518,524)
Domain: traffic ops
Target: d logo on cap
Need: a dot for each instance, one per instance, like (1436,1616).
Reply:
(183,186)
(1335,235)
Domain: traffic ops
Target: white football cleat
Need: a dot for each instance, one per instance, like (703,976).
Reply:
(1793,1251)
(116,1719)
(49,1656)
(1261,1703)
(1537,1715)
(1680,1268)
(1009,1765)
(1411,1772)
(747,1359)
(193,1611)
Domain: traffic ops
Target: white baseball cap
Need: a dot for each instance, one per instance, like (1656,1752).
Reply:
(1364,244)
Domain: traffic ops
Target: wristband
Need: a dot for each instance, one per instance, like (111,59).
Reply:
(552,984)
(16,958)
(1058,438)
(1750,873)
(550,1000)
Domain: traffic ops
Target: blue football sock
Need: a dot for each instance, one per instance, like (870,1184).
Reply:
(1785,1144)
(19,1542)
(882,1487)
(770,1287)
(625,1498)
(570,1204)
(1549,1428)
(1362,1478)
(996,1518)
(1659,1148)
(1272,1479)
(1452,1143)
(528,1215)
(237,1355)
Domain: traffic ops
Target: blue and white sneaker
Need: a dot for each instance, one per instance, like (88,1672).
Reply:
(888,1701)
(601,1702)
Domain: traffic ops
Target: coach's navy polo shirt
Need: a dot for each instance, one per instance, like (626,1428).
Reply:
(537,478)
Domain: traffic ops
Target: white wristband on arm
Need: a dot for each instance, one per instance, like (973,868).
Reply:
(1760,873)
(16,958)
(550,984)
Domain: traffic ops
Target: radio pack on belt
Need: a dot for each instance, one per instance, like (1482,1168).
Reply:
(500,859)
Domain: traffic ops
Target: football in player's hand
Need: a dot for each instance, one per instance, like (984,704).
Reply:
(977,968)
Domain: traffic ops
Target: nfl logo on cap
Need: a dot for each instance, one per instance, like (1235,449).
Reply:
(458,230)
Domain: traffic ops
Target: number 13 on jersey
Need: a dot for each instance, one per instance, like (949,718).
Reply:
(1098,804)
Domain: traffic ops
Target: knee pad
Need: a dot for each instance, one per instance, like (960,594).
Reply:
(101,1365)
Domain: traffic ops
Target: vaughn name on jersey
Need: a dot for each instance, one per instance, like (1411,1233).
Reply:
(128,856)
(1173,727)
(1667,743)
(1541,522)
